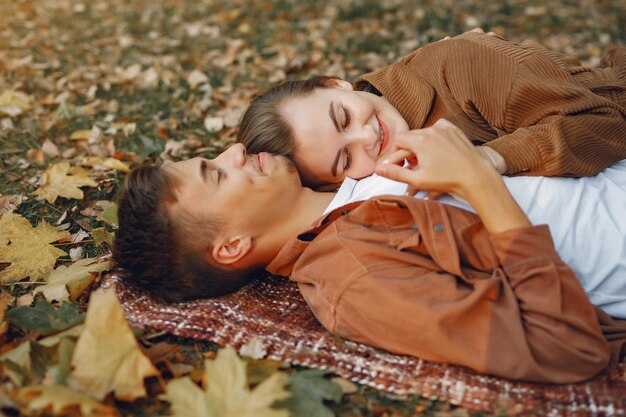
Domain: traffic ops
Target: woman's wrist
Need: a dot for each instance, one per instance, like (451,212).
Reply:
(494,157)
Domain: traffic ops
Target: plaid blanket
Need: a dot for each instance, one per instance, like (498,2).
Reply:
(270,317)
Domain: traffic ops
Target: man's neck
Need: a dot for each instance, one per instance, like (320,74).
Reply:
(308,208)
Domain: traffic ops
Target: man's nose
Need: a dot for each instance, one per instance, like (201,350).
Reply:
(237,154)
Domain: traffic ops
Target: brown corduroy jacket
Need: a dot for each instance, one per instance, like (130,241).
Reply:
(425,279)
(542,111)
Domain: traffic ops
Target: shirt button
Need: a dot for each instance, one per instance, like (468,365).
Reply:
(438,227)
(414,226)
(344,212)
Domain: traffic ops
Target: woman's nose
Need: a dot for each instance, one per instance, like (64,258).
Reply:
(363,136)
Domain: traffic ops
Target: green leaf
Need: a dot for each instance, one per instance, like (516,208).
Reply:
(45,319)
(101,235)
(109,215)
(310,389)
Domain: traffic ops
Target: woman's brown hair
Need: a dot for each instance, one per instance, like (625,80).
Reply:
(264,129)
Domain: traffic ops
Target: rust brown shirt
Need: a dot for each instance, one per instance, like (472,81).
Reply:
(542,111)
(425,279)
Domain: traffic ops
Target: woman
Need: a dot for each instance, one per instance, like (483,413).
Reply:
(537,112)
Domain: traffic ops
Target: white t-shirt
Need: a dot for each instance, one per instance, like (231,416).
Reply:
(586,216)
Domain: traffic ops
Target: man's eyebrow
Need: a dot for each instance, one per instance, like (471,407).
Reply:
(203,169)
(331,113)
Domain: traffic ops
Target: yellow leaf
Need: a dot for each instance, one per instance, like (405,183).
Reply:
(64,181)
(99,162)
(226,392)
(69,282)
(82,134)
(13,103)
(60,400)
(27,249)
(5,300)
(107,357)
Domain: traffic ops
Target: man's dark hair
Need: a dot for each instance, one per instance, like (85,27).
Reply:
(164,256)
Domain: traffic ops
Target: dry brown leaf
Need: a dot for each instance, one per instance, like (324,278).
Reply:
(13,103)
(61,180)
(226,392)
(10,202)
(5,301)
(60,400)
(67,283)
(81,134)
(107,357)
(213,124)
(27,249)
(98,162)
(25,300)
(195,78)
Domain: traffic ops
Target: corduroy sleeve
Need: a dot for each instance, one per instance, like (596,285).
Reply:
(548,123)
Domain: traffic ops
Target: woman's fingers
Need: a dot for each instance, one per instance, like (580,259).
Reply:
(397,173)
(397,157)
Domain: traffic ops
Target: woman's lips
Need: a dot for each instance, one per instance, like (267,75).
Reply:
(385,131)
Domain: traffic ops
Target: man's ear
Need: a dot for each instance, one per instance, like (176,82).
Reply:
(338,83)
(229,251)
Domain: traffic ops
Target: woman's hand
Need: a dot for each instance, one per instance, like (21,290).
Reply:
(446,160)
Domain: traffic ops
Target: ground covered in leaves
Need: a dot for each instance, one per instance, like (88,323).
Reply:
(90,89)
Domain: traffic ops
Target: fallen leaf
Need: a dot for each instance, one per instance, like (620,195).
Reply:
(13,103)
(27,249)
(60,400)
(25,300)
(69,282)
(109,214)
(61,180)
(213,124)
(196,78)
(5,301)
(50,149)
(81,134)
(43,318)
(28,361)
(226,391)
(107,357)
(10,202)
(255,349)
(98,162)
(101,235)
(310,389)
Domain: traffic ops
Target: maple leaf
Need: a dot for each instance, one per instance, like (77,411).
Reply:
(69,282)
(60,400)
(107,357)
(27,249)
(61,180)
(45,319)
(226,392)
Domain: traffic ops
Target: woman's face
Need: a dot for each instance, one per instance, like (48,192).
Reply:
(340,132)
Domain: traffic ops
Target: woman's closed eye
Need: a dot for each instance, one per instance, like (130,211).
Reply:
(346,117)
(347,160)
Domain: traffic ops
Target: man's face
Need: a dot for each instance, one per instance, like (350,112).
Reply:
(340,132)
(243,191)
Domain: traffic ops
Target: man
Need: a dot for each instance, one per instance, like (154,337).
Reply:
(411,276)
